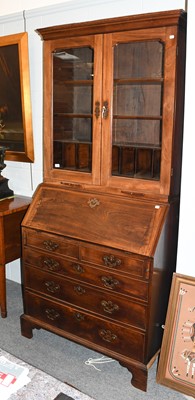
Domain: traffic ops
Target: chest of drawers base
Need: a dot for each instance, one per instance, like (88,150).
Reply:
(93,295)
(99,277)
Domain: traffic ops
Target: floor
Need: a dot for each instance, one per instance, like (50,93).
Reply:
(41,386)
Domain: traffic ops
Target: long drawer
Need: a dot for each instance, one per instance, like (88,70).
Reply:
(120,339)
(102,277)
(107,304)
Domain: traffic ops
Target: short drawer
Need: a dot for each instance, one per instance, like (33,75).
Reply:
(116,260)
(71,320)
(88,273)
(52,243)
(89,298)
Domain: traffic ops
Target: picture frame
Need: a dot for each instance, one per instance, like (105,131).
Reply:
(16,133)
(176,367)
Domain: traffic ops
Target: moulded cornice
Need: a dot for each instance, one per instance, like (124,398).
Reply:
(141,21)
(15,17)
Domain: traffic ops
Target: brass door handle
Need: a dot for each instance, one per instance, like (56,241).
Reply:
(105,110)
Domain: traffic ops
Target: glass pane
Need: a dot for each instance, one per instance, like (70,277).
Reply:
(137,109)
(136,132)
(72,108)
(138,60)
(137,100)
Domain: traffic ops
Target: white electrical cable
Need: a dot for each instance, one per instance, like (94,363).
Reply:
(101,360)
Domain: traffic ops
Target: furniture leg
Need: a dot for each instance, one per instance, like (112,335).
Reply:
(3,291)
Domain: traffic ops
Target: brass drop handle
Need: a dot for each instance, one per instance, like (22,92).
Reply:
(105,110)
(107,335)
(52,314)
(52,286)
(49,245)
(109,282)
(51,264)
(111,261)
(109,307)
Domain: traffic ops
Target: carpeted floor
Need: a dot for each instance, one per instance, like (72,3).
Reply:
(65,360)
(41,386)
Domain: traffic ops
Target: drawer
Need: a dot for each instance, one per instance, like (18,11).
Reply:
(101,277)
(119,339)
(52,243)
(98,301)
(116,260)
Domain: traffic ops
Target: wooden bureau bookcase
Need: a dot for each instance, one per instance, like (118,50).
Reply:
(100,237)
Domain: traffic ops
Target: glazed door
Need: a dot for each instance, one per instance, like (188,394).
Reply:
(73,75)
(138,95)
(109,109)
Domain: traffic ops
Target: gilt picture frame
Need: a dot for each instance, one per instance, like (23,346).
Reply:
(176,367)
(16,133)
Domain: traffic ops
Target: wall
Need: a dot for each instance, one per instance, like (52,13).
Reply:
(185,263)
(10,6)
(18,16)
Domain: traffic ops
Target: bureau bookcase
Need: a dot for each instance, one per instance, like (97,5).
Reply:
(100,237)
